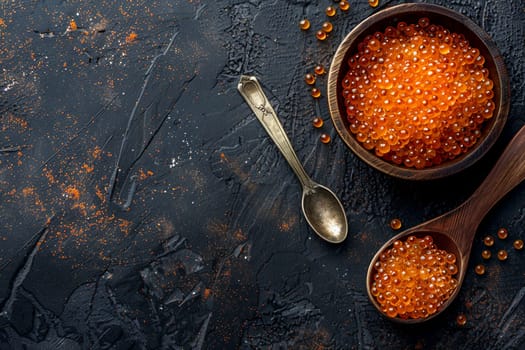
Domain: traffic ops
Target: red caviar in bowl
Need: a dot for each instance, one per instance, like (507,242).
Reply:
(417,95)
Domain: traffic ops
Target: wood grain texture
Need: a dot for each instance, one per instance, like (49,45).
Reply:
(454,231)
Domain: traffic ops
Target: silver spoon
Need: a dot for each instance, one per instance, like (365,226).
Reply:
(321,207)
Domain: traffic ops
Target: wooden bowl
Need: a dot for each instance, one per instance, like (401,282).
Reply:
(452,21)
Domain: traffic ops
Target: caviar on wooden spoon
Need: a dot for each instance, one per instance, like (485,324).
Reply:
(416,274)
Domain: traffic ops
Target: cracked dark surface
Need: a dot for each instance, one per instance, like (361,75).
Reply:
(142,206)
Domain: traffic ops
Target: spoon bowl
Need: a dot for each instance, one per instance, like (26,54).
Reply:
(454,231)
(444,242)
(323,212)
(321,207)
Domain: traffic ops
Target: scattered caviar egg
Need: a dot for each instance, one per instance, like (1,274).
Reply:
(304,24)
(344,5)
(413,278)
(413,97)
(480,269)
(319,69)
(325,138)
(321,35)
(486,254)
(317,122)
(503,233)
(518,244)
(395,224)
(502,255)
(327,27)
(330,11)
(373,3)
(488,241)
(315,92)
(461,320)
(309,79)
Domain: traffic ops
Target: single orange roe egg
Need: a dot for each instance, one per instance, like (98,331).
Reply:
(423,22)
(320,35)
(319,69)
(488,241)
(373,3)
(413,278)
(327,27)
(502,233)
(374,44)
(417,95)
(461,320)
(480,269)
(304,24)
(518,244)
(325,138)
(309,79)
(395,224)
(315,92)
(317,122)
(344,5)
(502,255)
(330,11)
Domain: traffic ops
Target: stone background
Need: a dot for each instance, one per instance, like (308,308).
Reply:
(142,205)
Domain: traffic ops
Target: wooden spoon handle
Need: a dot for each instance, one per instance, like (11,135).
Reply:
(507,173)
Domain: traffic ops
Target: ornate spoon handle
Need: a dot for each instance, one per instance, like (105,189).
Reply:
(252,92)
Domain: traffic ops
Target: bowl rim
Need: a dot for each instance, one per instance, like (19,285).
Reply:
(449,167)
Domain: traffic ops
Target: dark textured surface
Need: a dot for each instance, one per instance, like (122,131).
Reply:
(142,206)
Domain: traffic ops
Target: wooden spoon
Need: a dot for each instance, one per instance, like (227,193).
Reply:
(455,230)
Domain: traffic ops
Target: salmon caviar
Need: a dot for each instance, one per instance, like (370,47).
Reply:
(309,79)
(395,224)
(423,22)
(330,11)
(502,255)
(486,254)
(344,5)
(416,95)
(518,244)
(461,320)
(413,278)
(502,233)
(319,69)
(327,27)
(325,138)
(317,122)
(315,92)
(480,269)
(488,241)
(320,35)
(304,24)
(373,3)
